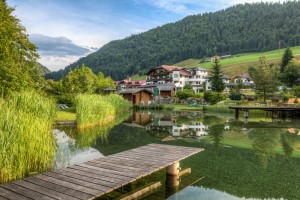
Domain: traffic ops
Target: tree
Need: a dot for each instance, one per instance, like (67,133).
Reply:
(103,83)
(291,73)
(286,58)
(81,80)
(216,78)
(18,68)
(264,79)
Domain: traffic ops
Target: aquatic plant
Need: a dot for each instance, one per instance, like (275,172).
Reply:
(26,141)
(93,109)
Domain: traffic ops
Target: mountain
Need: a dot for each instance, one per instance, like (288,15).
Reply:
(43,69)
(243,28)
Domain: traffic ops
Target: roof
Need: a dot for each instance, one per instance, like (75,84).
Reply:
(109,89)
(161,87)
(199,69)
(185,72)
(135,90)
(166,67)
(166,87)
(245,76)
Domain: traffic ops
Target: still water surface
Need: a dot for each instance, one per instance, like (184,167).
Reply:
(256,158)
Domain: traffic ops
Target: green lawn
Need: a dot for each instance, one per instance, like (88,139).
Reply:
(138,77)
(66,115)
(240,62)
(180,107)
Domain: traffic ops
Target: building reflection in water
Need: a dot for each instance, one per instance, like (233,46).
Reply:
(176,125)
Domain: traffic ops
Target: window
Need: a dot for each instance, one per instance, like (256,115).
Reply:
(180,82)
(175,75)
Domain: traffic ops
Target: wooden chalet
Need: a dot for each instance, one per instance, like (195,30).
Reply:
(137,96)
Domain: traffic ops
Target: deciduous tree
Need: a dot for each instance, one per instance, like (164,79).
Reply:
(18,68)
(264,78)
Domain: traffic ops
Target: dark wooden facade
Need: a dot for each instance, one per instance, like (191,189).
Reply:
(138,96)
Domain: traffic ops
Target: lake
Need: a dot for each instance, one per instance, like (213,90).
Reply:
(255,158)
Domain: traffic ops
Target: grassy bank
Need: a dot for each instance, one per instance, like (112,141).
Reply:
(180,107)
(26,142)
(92,110)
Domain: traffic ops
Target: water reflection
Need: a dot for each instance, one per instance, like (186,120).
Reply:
(68,154)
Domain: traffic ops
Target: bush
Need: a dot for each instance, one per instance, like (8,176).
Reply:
(296,100)
(285,98)
(275,99)
(296,91)
(188,87)
(200,96)
(184,94)
(213,97)
(250,98)
(235,96)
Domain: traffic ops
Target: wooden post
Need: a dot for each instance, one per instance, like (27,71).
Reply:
(173,169)
(246,114)
(236,113)
(274,114)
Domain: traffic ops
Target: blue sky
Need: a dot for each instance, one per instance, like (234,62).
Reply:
(65,30)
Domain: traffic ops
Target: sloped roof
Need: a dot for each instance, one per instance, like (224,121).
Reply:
(135,90)
(199,69)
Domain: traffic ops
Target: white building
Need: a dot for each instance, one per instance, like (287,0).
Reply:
(226,80)
(179,76)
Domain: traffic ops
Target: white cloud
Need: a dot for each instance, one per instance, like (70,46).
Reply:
(55,63)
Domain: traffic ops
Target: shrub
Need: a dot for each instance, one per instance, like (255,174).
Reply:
(296,91)
(275,99)
(296,100)
(213,97)
(188,87)
(200,96)
(235,96)
(184,94)
(250,98)
(285,98)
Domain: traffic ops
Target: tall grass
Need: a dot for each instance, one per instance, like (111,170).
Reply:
(93,110)
(26,141)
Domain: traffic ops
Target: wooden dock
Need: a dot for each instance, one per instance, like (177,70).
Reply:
(274,109)
(95,178)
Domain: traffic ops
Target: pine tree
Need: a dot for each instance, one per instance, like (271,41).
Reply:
(287,56)
(216,78)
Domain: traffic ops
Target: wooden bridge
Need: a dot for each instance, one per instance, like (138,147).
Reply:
(95,178)
(274,109)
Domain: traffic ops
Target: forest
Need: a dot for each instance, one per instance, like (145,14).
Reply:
(243,28)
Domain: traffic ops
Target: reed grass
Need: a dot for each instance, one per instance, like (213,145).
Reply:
(26,142)
(93,110)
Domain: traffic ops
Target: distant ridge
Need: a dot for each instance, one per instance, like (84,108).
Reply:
(239,29)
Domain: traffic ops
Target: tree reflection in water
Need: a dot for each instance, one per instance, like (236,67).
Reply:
(215,133)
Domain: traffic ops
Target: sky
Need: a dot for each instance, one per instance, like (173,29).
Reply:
(65,30)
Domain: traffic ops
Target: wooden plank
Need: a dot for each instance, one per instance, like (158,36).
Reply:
(59,188)
(114,166)
(143,191)
(130,175)
(104,174)
(2,198)
(51,193)
(90,174)
(94,178)
(98,188)
(26,192)
(70,185)
(87,179)
(11,195)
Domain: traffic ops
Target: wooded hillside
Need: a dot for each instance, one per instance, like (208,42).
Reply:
(242,28)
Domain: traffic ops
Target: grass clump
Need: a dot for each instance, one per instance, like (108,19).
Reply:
(92,109)
(26,142)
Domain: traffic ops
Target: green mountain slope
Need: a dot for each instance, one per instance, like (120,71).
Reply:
(239,29)
(44,69)
(239,63)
